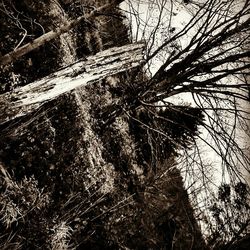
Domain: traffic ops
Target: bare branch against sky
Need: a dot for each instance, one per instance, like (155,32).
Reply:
(199,51)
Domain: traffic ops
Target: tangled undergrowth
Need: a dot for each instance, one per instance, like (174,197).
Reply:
(67,182)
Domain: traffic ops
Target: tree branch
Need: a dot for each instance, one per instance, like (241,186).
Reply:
(16,54)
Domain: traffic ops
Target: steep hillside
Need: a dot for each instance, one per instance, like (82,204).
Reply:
(72,175)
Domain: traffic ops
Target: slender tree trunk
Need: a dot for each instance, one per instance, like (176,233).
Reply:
(14,55)
(30,97)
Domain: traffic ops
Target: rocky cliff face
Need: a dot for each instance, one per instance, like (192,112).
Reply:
(67,179)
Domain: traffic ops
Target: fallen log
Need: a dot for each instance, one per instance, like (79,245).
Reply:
(26,99)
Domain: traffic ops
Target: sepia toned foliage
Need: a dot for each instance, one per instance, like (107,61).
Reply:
(99,167)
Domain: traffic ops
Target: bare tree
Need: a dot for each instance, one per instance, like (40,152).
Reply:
(206,60)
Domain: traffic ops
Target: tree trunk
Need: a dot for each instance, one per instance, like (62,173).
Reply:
(14,55)
(27,99)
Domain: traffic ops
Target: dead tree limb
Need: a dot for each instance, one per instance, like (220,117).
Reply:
(24,100)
